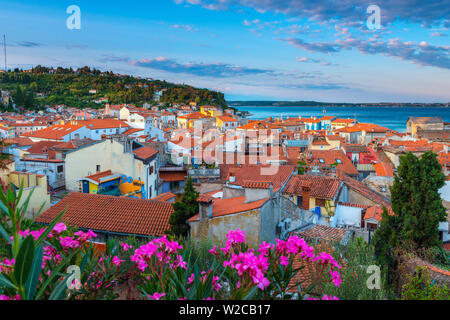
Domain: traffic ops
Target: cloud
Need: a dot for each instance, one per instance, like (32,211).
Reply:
(439,34)
(324,47)
(186,27)
(249,23)
(312,86)
(29,44)
(216,70)
(416,11)
(111,58)
(422,54)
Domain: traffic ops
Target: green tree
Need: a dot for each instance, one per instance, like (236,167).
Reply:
(19,97)
(417,207)
(184,210)
(421,287)
(301,167)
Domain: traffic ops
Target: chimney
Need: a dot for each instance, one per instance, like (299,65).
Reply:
(205,207)
(306,190)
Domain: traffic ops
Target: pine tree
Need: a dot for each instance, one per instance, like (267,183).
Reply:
(416,204)
(184,210)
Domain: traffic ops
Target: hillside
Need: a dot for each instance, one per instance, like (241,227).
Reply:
(41,86)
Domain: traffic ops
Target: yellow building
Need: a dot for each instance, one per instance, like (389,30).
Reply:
(226,122)
(211,111)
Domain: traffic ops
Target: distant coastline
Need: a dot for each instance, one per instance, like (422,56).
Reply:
(311,104)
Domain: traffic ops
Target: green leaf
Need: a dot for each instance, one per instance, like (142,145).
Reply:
(24,261)
(4,234)
(60,290)
(251,293)
(55,273)
(4,282)
(49,228)
(31,284)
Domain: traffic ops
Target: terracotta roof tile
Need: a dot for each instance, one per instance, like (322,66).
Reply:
(322,187)
(96,177)
(223,207)
(113,214)
(145,152)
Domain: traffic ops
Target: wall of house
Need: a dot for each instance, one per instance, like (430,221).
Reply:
(217,228)
(347,216)
(109,155)
(358,198)
(313,204)
(33,184)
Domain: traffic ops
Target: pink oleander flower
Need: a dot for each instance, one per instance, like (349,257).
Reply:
(327,259)
(85,236)
(126,246)
(251,265)
(156,296)
(116,261)
(336,278)
(284,261)
(69,243)
(4,297)
(325,297)
(179,263)
(59,228)
(9,263)
(37,234)
(236,236)
(265,247)
(214,251)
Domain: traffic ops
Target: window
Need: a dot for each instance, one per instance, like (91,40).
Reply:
(321,160)
(60,169)
(339,161)
(98,168)
(320,202)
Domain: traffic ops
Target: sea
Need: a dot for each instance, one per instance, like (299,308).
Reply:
(390,117)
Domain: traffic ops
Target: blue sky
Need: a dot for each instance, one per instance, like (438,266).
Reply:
(249,49)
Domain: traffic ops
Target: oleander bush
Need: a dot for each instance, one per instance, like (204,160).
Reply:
(56,262)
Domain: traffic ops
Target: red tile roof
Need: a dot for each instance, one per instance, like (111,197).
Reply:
(383,169)
(55,132)
(366,191)
(132,131)
(41,147)
(323,233)
(145,152)
(113,214)
(19,141)
(226,119)
(330,157)
(223,207)
(322,187)
(256,184)
(96,177)
(168,176)
(165,197)
(95,124)
(375,212)
(278,175)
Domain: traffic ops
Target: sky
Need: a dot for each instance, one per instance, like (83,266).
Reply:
(322,50)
